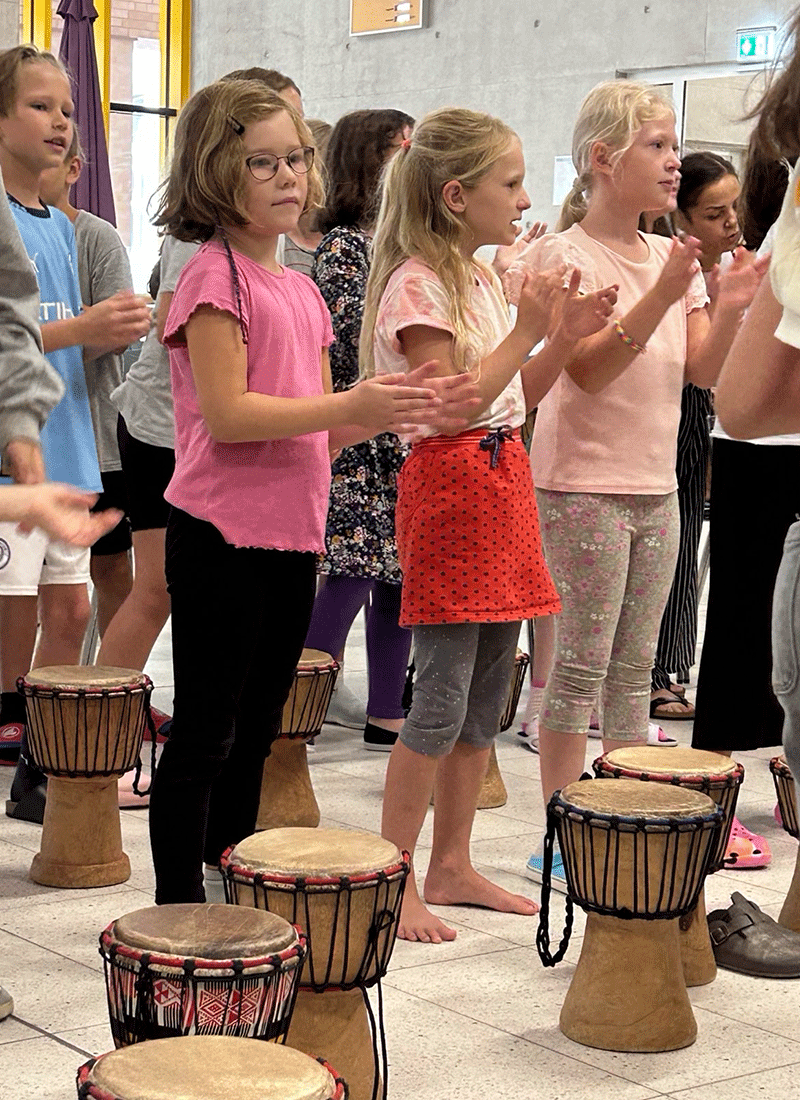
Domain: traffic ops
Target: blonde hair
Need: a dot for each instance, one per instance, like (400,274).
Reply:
(612,113)
(205,188)
(11,61)
(415,221)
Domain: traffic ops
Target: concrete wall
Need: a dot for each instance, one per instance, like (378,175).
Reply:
(529,61)
(9,22)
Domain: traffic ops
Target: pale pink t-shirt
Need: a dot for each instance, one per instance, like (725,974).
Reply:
(415,296)
(275,493)
(623,439)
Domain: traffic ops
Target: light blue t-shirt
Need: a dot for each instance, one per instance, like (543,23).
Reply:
(68,444)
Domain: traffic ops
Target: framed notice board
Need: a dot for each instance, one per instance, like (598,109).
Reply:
(377,16)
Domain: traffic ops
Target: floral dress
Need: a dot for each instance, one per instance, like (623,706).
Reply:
(360,537)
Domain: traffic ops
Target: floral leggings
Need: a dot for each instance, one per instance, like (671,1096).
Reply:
(612,558)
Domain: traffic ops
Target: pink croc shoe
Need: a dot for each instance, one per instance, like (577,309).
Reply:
(745,849)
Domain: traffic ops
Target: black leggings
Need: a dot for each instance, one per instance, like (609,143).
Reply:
(239,620)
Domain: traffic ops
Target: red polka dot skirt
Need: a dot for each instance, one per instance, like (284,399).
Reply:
(468,532)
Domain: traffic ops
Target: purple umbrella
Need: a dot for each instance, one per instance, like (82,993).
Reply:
(93,190)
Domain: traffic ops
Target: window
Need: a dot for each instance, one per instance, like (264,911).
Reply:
(143,62)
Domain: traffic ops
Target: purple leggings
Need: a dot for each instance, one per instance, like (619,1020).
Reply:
(338,602)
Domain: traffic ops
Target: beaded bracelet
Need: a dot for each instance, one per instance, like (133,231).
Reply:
(628,340)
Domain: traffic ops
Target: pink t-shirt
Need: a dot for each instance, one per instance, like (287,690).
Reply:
(415,296)
(275,493)
(623,439)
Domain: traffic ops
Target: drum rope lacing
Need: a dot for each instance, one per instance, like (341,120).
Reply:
(722,788)
(87,740)
(388,885)
(686,847)
(306,721)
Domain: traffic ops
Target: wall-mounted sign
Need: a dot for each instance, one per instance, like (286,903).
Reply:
(376,16)
(755,44)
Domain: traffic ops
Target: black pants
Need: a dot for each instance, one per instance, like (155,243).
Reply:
(239,620)
(755,497)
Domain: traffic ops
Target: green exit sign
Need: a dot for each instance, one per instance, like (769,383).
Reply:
(755,44)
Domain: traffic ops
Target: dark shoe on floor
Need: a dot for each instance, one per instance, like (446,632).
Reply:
(28,793)
(378,739)
(669,707)
(748,941)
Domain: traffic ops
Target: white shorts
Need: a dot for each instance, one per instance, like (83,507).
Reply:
(27,561)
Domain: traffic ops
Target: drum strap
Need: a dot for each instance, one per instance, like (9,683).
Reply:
(543,932)
(153,746)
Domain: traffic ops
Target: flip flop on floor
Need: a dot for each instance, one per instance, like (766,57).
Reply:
(668,707)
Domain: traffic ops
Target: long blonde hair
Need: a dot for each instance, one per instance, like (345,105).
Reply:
(415,221)
(612,112)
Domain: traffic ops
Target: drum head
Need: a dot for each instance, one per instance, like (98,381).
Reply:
(626,799)
(315,852)
(211,1067)
(80,677)
(676,762)
(205,931)
(315,658)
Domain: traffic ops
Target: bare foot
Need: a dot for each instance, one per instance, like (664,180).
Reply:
(470,888)
(418,924)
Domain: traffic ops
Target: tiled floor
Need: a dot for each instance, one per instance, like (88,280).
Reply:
(477,1017)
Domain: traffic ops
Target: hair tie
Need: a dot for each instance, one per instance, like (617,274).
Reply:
(405,144)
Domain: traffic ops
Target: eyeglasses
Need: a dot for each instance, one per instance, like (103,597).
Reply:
(263,166)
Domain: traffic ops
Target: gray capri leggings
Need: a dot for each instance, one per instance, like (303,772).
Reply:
(786,646)
(461,683)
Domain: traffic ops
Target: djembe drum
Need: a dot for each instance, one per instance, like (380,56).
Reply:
(287,797)
(344,889)
(711,773)
(200,969)
(787,801)
(635,856)
(85,729)
(208,1067)
(493,792)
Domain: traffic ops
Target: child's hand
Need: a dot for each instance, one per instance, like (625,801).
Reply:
(63,512)
(117,322)
(739,283)
(458,394)
(682,265)
(505,255)
(23,462)
(538,297)
(387,403)
(583,315)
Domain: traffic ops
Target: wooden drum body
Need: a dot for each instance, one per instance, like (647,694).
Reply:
(208,1067)
(787,800)
(287,797)
(85,729)
(710,773)
(635,857)
(493,793)
(344,889)
(200,969)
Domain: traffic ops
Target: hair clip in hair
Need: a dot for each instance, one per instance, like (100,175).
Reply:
(235,124)
(405,144)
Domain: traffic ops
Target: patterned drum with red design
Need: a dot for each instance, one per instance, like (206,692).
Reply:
(201,969)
